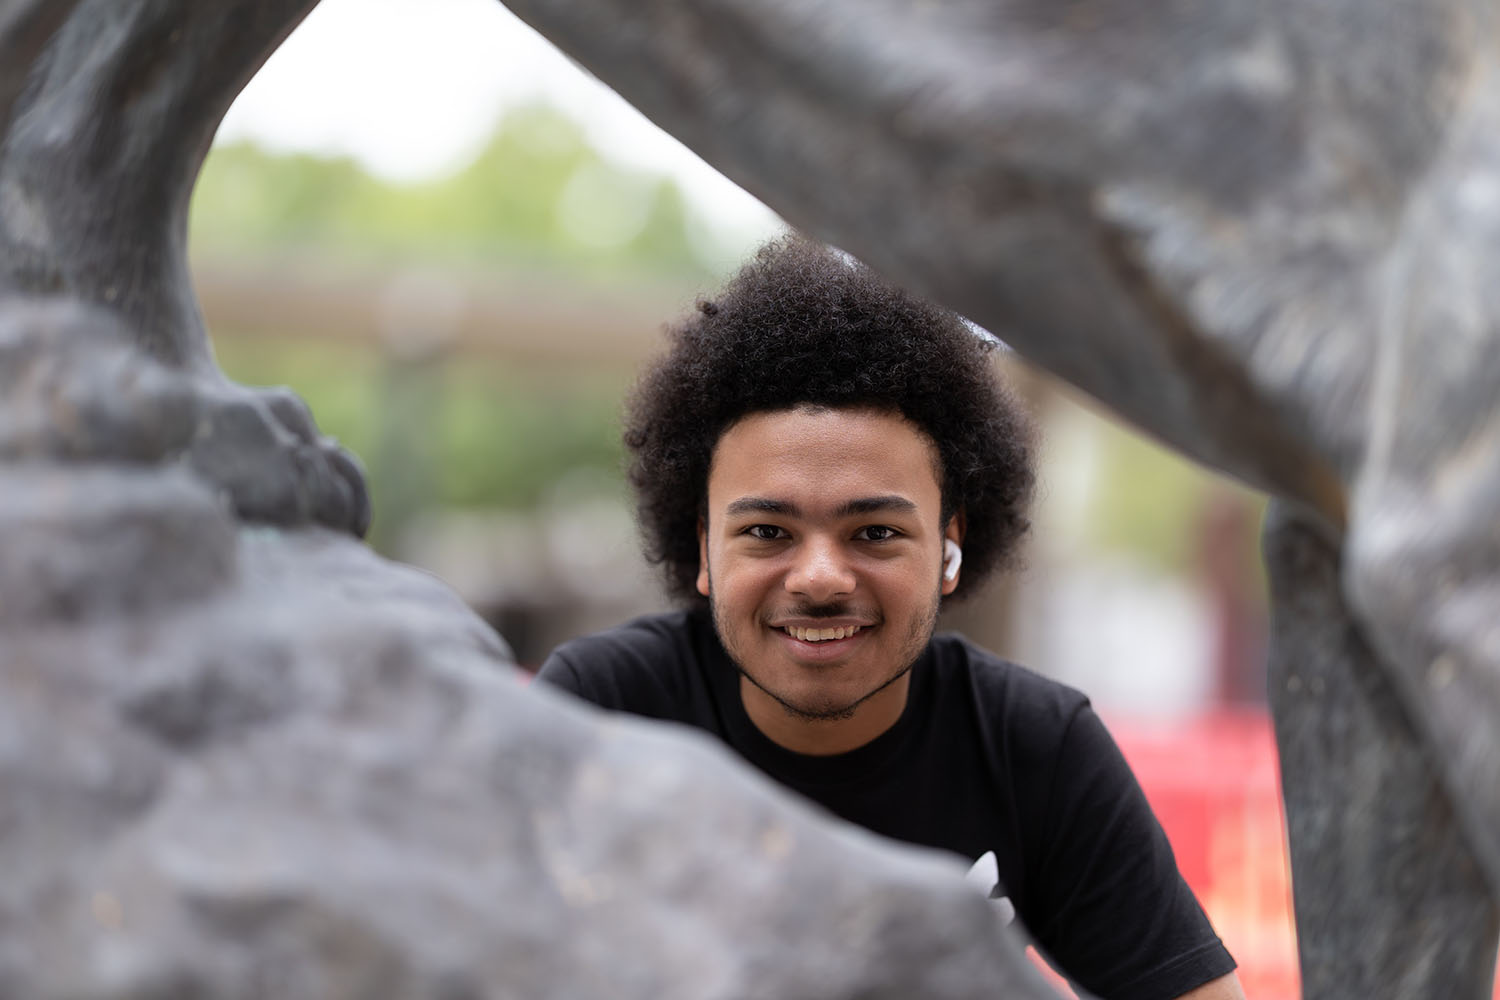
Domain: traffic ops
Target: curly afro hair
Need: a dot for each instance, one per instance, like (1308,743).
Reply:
(802,324)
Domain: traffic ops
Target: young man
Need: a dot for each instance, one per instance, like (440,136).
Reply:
(820,460)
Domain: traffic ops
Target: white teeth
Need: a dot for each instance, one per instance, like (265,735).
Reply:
(821,634)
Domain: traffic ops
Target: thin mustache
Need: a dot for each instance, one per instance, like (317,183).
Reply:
(815,611)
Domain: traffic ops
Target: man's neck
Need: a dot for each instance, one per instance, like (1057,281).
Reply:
(824,737)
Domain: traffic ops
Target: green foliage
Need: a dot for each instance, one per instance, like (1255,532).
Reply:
(505,437)
(537,193)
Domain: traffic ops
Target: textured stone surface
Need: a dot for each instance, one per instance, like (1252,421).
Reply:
(105,542)
(321,779)
(1391,903)
(25,27)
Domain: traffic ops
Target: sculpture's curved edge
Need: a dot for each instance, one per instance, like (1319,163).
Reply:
(104,147)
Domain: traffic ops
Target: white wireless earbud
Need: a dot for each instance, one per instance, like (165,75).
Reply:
(953,557)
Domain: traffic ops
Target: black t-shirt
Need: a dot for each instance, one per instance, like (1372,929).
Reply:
(987,756)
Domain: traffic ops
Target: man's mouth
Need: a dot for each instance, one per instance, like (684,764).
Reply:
(821,634)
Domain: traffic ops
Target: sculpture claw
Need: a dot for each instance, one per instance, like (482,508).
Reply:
(262,450)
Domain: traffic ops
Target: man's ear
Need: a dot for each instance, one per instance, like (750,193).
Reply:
(702,558)
(953,539)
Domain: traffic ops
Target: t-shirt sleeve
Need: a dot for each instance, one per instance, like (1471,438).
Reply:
(558,671)
(643,667)
(1119,919)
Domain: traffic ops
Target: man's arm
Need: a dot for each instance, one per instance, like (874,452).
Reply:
(643,667)
(1111,908)
(559,673)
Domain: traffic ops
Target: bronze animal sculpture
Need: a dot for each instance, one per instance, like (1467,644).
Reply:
(1265,233)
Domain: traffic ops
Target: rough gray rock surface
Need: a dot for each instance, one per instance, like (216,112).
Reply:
(1390,899)
(316,776)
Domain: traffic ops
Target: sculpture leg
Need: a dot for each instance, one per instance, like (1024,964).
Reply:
(98,155)
(1390,900)
(1422,555)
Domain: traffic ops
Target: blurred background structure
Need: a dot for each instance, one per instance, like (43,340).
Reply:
(457,248)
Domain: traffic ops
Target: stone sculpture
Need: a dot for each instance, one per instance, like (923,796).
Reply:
(1265,233)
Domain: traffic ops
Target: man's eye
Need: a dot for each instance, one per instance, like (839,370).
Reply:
(764,532)
(876,533)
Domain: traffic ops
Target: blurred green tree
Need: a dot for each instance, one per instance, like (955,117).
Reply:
(537,194)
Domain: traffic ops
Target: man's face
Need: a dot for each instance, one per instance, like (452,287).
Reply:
(822,554)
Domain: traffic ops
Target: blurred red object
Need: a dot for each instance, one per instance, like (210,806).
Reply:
(1214,784)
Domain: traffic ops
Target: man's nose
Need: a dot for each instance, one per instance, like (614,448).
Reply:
(820,571)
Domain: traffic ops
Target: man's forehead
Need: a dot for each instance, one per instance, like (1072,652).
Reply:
(764,436)
(823,464)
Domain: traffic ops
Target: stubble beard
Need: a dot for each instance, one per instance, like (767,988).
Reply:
(917,637)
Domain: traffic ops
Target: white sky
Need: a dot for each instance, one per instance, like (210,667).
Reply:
(412,88)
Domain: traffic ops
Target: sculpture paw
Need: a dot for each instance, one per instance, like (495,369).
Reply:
(76,387)
(261,448)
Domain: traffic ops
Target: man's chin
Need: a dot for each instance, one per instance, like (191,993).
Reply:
(806,709)
(818,712)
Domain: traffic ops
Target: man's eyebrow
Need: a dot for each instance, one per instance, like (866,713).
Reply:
(761,505)
(861,505)
(874,505)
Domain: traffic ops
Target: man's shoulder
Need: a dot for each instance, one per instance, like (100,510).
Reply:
(997,681)
(655,633)
(646,666)
(1014,702)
